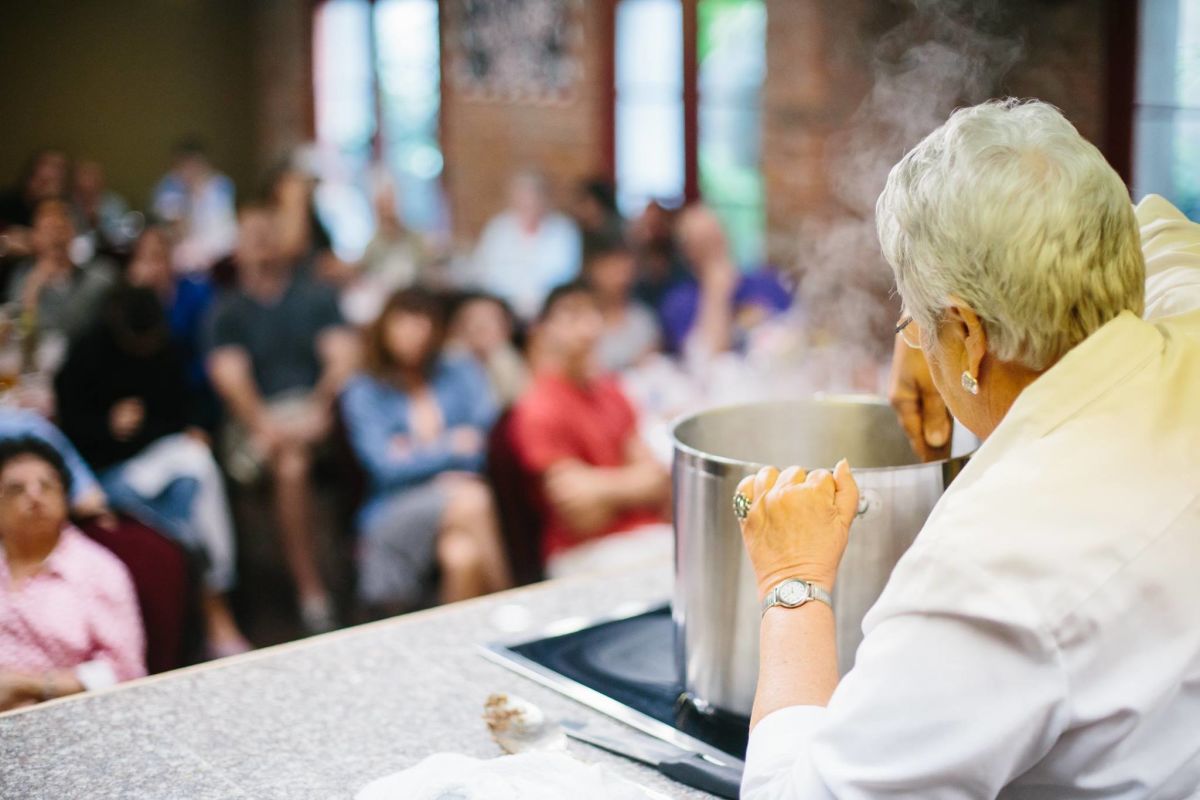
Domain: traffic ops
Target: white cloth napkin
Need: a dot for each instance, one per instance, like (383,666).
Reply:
(526,776)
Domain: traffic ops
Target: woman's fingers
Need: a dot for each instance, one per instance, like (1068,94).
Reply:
(746,487)
(764,481)
(821,481)
(846,498)
(837,488)
(935,418)
(798,523)
(790,476)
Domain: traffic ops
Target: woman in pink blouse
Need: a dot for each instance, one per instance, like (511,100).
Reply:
(69,617)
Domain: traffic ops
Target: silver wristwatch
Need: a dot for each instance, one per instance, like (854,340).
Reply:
(794,593)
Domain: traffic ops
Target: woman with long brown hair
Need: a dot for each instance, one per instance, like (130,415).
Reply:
(418,423)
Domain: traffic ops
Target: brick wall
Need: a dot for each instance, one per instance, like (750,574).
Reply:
(122,83)
(852,84)
(1065,62)
(486,140)
(820,69)
(282,77)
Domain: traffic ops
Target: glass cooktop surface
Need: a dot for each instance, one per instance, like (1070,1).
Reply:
(626,667)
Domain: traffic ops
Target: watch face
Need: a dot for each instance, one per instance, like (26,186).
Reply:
(793,593)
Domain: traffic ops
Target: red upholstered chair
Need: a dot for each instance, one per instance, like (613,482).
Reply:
(516,491)
(167,582)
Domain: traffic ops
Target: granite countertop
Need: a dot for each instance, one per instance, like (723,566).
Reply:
(317,718)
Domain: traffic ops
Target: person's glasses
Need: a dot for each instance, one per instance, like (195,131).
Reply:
(14,489)
(910,332)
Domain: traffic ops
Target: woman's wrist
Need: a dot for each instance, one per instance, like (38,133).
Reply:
(821,578)
(49,687)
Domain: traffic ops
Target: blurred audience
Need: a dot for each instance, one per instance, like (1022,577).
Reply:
(303,237)
(198,203)
(86,498)
(69,618)
(528,249)
(395,258)
(660,265)
(600,223)
(630,328)
(711,311)
(186,300)
(482,327)
(43,178)
(575,430)
(278,356)
(396,255)
(58,298)
(122,400)
(99,212)
(232,327)
(418,422)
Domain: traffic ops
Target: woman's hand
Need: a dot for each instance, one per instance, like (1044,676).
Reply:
(18,689)
(798,523)
(919,406)
(465,440)
(126,417)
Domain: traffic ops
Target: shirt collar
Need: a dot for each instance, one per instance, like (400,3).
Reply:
(61,560)
(1088,371)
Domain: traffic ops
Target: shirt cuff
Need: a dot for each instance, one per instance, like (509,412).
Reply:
(777,743)
(96,675)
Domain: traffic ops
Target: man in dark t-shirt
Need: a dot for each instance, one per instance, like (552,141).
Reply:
(281,335)
(278,355)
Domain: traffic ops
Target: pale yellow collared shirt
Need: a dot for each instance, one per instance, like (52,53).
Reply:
(1041,639)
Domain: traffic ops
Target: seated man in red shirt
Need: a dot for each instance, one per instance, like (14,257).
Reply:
(577,432)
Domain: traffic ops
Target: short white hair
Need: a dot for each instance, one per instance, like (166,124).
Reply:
(1007,208)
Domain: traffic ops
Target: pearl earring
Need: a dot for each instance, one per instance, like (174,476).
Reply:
(969,383)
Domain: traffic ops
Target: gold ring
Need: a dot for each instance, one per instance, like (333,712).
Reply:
(741,506)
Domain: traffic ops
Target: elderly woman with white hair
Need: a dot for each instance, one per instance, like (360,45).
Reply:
(1041,638)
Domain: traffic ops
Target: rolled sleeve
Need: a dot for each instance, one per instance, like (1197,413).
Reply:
(946,701)
(1171,247)
(777,766)
(96,675)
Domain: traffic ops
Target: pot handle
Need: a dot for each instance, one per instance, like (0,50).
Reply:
(867,500)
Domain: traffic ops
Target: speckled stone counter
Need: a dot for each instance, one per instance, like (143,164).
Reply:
(314,719)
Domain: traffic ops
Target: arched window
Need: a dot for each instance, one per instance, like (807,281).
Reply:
(377,92)
(1166,157)
(688,97)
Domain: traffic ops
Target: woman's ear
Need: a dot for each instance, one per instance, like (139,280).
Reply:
(970,328)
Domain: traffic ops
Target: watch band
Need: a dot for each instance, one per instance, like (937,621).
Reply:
(813,592)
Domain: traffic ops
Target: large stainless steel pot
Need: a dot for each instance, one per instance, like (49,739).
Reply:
(715,606)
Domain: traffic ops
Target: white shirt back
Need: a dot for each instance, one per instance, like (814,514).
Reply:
(1041,639)
(522,266)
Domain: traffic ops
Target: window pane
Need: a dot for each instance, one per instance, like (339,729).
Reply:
(650,45)
(649,112)
(345,108)
(649,154)
(343,89)
(1167,113)
(732,65)
(410,95)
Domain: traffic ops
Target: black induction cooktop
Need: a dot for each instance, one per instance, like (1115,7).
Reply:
(626,667)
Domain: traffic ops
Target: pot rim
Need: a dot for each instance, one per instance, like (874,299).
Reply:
(845,399)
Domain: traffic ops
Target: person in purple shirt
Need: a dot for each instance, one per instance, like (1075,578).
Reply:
(717,305)
(418,423)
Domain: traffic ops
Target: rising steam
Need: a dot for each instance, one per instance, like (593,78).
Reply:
(942,55)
